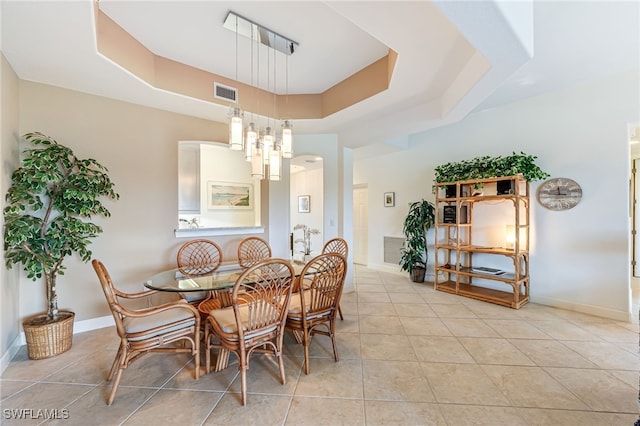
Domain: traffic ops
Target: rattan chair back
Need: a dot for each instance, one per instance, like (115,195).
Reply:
(199,257)
(253,250)
(336,245)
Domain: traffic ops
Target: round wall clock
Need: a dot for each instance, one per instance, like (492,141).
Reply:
(559,194)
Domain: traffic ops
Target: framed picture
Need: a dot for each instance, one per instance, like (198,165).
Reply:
(226,195)
(304,204)
(389,199)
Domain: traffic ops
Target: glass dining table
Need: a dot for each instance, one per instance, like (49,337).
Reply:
(178,280)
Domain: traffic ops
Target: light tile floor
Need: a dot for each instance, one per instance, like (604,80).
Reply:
(409,355)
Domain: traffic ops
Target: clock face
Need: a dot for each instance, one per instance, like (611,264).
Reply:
(559,194)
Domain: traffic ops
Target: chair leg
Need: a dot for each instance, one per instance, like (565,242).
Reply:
(280,341)
(207,349)
(114,387)
(116,362)
(196,353)
(306,341)
(243,375)
(332,334)
(340,313)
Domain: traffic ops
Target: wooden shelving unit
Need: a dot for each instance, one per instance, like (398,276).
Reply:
(456,271)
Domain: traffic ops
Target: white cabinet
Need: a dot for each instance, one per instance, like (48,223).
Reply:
(189,178)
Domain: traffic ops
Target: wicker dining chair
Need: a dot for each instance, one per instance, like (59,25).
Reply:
(337,245)
(252,250)
(254,323)
(313,309)
(199,257)
(148,330)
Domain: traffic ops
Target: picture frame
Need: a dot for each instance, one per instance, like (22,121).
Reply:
(304,204)
(389,199)
(229,195)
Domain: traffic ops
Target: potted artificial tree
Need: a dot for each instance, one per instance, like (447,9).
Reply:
(413,259)
(51,199)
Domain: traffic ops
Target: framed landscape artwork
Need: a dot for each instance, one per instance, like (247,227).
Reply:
(226,195)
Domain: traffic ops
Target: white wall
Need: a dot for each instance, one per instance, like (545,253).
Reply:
(579,257)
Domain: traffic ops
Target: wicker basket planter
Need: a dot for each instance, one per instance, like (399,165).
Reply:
(48,338)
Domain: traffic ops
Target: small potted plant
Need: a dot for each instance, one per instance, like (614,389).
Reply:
(306,239)
(419,219)
(51,199)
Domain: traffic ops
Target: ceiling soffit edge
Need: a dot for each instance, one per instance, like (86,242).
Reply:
(119,46)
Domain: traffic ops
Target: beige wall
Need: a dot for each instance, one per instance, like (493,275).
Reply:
(139,147)
(9,137)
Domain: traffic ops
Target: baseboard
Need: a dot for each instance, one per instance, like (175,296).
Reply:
(78,327)
(395,269)
(10,353)
(597,311)
(386,267)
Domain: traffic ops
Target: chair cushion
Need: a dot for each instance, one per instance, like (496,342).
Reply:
(141,324)
(295,306)
(226,319)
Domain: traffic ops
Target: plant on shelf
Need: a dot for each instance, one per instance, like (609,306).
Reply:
(489,167)
(419,219)
(51,199)
(306,238)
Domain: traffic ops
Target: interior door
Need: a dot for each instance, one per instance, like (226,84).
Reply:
(360,225)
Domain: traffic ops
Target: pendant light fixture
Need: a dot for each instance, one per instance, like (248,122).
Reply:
(264,149)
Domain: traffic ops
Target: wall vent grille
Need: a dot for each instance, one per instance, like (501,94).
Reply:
(220,91)
(393,249)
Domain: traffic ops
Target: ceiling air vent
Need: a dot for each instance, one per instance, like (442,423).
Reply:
(227,93)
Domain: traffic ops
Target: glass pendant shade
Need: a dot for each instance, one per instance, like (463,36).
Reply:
(257,166)
(252,138)
(268,138)
(236,130)
(275,165)
(267,145)
(287,140)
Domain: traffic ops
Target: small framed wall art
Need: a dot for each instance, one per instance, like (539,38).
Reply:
(304,204)
(389,199)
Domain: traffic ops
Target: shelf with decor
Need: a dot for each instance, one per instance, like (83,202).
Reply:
(466,267)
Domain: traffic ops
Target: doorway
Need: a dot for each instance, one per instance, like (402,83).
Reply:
(360,224)
(306,205)
(634,194)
